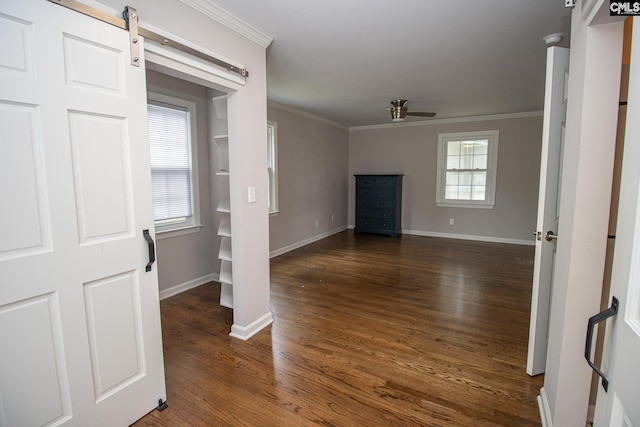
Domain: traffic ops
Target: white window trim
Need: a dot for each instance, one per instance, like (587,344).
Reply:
(274,210)
(492,164)
(194,224)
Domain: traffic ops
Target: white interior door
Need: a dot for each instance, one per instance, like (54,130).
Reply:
(79,316)
(555,111)
(618,407)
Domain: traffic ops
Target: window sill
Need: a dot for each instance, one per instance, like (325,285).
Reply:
(175,232)
(464,205)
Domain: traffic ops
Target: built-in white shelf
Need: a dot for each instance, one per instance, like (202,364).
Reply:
(225,272)
(220,164)
(220,107)
(224,206)
(224,230)
(225,249)
(226,295)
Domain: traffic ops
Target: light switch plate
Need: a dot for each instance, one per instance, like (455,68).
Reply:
(252,194)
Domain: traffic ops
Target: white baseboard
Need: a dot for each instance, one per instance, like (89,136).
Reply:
(305,242)
(489,239)
(175,290)
(246,332)
(543,407)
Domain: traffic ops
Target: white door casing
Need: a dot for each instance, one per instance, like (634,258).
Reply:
(555,110)
(79,316)
(618,407)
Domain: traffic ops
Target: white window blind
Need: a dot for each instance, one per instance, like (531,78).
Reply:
(272,168)
(466,175)
(170,145)
(467,163)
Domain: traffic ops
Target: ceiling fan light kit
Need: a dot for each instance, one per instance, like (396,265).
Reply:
(400,110)
(553,39)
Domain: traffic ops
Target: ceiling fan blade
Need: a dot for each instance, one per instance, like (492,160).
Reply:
(420,114)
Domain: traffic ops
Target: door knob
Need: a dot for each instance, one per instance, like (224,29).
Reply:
(550,236)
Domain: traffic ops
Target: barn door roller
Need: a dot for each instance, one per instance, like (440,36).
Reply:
(130,23)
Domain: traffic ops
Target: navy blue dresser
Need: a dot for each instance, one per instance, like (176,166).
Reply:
(378,204)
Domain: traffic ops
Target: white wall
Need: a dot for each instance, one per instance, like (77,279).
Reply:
(413,150)
(312,178)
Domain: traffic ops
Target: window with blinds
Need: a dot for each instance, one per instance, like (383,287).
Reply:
(467,169)
(172,177)
(272,168)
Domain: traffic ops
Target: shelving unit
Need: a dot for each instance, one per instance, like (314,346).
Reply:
(220,164)
(222,141)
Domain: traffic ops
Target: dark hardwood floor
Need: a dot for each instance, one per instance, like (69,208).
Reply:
(368,331)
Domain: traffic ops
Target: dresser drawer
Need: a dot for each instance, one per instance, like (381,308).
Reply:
(375,203)
(376,213)
(385,183)
(367,193)
(365,182)
(375,223)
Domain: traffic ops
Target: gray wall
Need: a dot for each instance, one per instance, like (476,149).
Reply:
(413,150)
(312,178)
(189,257)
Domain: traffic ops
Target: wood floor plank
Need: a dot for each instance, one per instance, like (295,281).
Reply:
(368,331)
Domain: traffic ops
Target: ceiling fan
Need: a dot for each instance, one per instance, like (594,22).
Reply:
(399,111)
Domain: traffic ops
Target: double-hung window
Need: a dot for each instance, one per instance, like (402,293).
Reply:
(467,164)
(173,176)
(272,166)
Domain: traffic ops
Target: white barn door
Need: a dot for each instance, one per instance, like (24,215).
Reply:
(80,329)
(618,407)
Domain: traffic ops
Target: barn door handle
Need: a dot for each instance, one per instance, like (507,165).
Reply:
(152,249)
(593,321)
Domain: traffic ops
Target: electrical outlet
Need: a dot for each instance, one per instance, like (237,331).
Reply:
(333,217)
(317,223)
(451,221)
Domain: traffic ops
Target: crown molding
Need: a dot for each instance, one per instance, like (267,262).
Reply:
(306,114)
(218,14)
(507,116)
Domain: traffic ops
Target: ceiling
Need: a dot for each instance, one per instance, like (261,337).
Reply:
(345,60)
